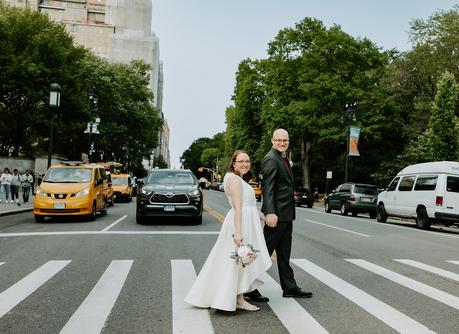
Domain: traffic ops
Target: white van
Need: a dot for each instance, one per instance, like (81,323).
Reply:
(427,192)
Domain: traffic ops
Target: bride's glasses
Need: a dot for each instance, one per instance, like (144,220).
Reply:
(243,161)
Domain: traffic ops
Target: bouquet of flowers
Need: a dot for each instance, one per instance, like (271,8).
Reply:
(244,255)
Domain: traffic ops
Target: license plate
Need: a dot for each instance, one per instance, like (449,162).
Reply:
(366,199)
(169,208)
(59,205)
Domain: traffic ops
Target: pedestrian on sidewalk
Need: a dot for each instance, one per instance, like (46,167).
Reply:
(5,183)
(15,184)
(26,181)
(32,183)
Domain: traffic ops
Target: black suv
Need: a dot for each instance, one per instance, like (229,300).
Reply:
(303,196)
(170,193)
(354,198)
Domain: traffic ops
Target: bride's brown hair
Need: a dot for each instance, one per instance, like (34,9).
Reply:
(247,176)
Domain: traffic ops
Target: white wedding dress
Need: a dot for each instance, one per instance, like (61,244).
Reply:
(221,279)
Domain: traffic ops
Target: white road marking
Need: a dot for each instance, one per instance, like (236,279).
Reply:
(387,314)
(412,284)
(455,262)
(26,286)
(292,315)
(2,263)
(186,318)
(432,269)
(116,222)
(90,317)
(388,224)
(338,228)
(36,234)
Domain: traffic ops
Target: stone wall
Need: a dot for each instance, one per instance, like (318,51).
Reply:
(38,165)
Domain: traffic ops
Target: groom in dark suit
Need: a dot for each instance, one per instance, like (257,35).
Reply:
(279,209)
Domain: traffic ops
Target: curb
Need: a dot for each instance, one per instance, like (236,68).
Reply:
(13,212)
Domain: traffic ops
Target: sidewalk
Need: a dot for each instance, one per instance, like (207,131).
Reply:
(12,208)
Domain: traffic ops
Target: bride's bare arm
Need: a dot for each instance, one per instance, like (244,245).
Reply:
(234,188)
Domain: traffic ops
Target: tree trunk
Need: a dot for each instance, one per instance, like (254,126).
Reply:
(305,149)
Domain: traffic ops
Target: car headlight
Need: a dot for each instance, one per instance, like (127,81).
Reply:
(82,193)
(194,193)
(145,191)
(41,192)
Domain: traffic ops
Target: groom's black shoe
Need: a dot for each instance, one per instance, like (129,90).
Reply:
(255,296)
(296,293)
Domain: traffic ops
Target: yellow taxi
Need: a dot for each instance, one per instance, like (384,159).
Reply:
(122,187)
(257,189)
(72,188)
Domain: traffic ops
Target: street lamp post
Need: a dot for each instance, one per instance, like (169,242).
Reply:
(91,128)
(54,103)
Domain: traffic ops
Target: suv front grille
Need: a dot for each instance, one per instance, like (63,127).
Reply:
(172,199)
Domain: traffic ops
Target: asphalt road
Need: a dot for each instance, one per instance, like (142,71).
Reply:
(115,276)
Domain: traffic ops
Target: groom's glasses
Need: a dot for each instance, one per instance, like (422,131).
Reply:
(281,140)
(243,161)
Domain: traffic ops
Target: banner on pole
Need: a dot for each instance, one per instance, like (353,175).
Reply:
(354,134)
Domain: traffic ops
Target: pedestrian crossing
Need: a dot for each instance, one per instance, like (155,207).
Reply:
(92,314)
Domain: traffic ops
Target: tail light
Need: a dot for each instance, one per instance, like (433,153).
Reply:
(351,198)
(439,201)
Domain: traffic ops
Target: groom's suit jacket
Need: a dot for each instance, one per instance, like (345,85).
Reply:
(278,187)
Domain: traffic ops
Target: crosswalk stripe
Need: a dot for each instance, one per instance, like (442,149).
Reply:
(432,269)
(292,315)
(186,318)
(412,284)
(455,262)
(91,315)
(26,286)
(389,315)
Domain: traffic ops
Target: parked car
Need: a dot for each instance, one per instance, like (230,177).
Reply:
(303,196)
(354,198)
(170,193)
(72,188)
(427,192)
(257,188)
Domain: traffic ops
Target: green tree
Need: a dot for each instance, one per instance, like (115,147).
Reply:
(443,132)
(311,76)
(34,52)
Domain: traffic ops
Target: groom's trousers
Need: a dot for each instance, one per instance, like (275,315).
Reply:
(279,239)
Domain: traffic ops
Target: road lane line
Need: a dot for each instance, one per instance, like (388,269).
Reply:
(90,317)
(35,234)
(412,284)
(432,269)
(214,214)
(116,222)
(292,315)
(391,223)
(26,286)
(387,314)
(338,228)
(2,263)
(455,262)
(186,318)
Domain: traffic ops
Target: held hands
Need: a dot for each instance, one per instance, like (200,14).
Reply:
(237,238)
(271,220)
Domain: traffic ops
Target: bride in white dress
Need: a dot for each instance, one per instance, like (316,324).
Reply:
(222,282)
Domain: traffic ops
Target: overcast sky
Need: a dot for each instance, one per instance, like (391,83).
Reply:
(203,41)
